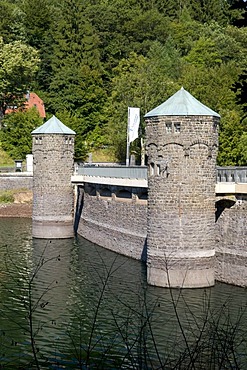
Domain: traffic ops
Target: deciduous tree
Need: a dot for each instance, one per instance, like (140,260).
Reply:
(18,65)
(15,135)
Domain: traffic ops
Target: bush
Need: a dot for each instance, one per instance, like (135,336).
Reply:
(6,197)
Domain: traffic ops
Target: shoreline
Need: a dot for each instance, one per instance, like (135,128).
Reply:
(16,210)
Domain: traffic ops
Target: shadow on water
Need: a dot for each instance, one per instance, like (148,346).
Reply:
(91,307)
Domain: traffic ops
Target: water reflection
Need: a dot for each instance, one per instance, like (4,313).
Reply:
(70,303)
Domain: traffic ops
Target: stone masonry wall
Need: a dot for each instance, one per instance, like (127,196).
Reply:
(231,243)
(53,167)
(10,181)
(115,218)
(181,236)
(52,189)
(121,226)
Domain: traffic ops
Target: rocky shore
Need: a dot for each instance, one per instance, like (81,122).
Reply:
(16,210)
(21,207)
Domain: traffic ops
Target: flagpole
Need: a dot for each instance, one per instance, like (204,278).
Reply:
(142,153)
(128,143)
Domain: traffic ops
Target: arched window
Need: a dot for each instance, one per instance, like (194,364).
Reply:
(124,194)
(105,192)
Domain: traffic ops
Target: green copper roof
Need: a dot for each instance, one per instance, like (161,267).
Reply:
(53,126)
(182,103)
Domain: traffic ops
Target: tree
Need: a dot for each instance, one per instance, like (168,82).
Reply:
(243,149)
(18,65)
(239,12)
(207,10)
(232,140)
(15,135)
(145,28)
(75,39)
(204,53)
(185,31)
(76,85)
(140,82)
(112,41)
(74,122)
(39,22)
(213,72)
(11,24)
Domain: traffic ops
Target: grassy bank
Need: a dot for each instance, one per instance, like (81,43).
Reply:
(103,155)
(5,160)
(15,196)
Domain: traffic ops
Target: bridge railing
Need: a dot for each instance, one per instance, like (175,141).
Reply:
(135,172)
(232,174)
(224,174)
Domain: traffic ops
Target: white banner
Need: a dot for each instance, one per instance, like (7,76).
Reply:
(133,123)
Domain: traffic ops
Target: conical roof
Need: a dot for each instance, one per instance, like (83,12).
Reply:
(182,103)
(53,126)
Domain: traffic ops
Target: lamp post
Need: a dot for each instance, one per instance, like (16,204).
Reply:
(18,165)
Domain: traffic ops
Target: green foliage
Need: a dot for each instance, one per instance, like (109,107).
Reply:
(6,197)
(5,160)
(208,10)
(185,32)
(203,54)
(212,86)
(76,89)
(39,22)
(145,28)
(18,65)
(15,135)
(232,140)
(76,42)
(75,123)
(99,57)
(11,24)
(243,149)
(141,82)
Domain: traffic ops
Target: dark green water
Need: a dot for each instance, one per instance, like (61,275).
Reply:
(71,304)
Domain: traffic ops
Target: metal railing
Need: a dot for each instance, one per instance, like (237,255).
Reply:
(135,172)
(224,174)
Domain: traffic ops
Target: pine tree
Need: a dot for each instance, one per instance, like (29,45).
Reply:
(76,85)
(39,22)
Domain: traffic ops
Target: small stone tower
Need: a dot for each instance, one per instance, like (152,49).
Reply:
(182,142)
(53,161)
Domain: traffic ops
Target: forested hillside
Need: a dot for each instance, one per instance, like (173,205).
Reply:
(91,59)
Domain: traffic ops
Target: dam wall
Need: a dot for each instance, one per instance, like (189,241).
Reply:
(231,242)
(16,180)
(114,217)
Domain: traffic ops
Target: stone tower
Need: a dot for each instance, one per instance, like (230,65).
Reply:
(182,141)
(53,161)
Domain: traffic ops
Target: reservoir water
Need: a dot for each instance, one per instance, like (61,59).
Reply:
(70,304)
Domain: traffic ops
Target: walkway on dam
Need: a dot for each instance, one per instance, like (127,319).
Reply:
(229,180)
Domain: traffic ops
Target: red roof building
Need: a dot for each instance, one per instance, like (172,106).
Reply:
(32,100)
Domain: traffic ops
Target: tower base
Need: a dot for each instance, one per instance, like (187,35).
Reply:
(52,229)
(176,278)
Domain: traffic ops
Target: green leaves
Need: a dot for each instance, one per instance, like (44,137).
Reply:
(15,135)
(98,57)
(140,82)
(18,65)
(232,140)
(11,22)
(243,149)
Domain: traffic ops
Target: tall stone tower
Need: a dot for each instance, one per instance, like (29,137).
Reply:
(53,161)
(182,141)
